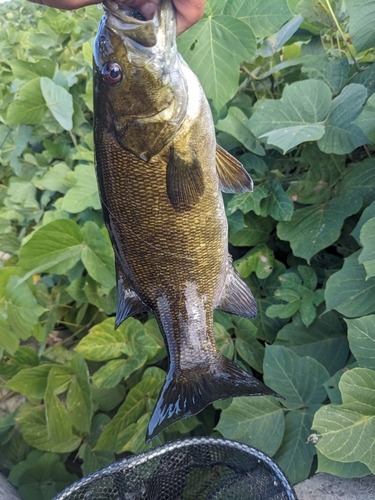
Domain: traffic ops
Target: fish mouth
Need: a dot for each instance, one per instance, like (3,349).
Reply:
(129,15)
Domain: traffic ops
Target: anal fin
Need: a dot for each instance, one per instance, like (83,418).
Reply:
(233,177)
(236,297)
(128,302)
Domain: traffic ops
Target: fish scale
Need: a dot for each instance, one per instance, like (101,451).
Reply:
(160,174)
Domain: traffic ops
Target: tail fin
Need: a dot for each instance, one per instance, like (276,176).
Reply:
(189,392)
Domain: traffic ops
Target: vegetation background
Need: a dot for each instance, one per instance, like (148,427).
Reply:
(292,90)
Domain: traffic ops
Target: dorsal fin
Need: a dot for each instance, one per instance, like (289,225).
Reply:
(185,183)
(128,302)
(233,177)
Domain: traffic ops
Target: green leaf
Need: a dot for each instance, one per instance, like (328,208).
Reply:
(235,124)
(58,101)
(341,469)
(32,382)
(296,117)
(25,70)
(298,380)
(58,422)
(317,13)
(360,180)
(32,422)
(314,228)
(247,345)
(256,230)
(131,410)
(93,461)
(324,340)
(55,247)
(361,336)
(84,193)
(97,255)
(224,341)
(277,204)
(114,371)
(257,422)
(264,18)
(8,340)
(366,119)
(296,453)
(78,399)
(361,23)
(108,399)
(367,256)
(214,48)
(53,179)
(341,135)
(30,108)
(23,309)
(332,72)
(259,260)
(349,292)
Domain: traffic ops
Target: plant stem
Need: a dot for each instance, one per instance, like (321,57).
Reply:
(342,35)
(74,140)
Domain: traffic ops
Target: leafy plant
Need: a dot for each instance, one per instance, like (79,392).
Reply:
(291,85)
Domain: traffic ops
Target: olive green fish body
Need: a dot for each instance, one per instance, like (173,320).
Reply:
(160,173)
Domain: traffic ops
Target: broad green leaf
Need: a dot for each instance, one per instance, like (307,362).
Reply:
(361,23)
(361,336)
(78,400)
(277,204)
(114,371)
(259,260)
(296,117)
(298,380)
(358,390)
(224,341)
(214,48)
(366,119)
(275,42)
(103,342)
(314,228)
(360,179)
(341,469)
(236,124)
(108,399)
(341,135)
(257,422)
(296,453)
(366,78)
(32,422)
(349,292)
(317,13)
(58,101)
(24,357)
(84,193)
(324,340)
(31,382)
(55,247)
(8,340)
(22,308)
(264,18)
(256,230)
(133,437)
(53,179)
(25,70)
(131,410)
(93,461)
(58,422)
(97,255)
(247,344)
(30,108)
(332,72)
(247,201)
(367,256)
(323,173)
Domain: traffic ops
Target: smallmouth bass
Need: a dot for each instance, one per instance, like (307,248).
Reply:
(160,176)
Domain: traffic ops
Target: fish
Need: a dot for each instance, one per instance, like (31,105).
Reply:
(161,176)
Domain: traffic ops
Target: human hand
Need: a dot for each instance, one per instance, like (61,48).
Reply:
(188,12)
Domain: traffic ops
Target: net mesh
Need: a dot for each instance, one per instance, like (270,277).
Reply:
(191,469)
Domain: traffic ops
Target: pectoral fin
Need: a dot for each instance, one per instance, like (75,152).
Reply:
(236,297)
(184,181)
(128,302)
(233,177)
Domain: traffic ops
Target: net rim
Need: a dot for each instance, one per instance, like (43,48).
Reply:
(134,461)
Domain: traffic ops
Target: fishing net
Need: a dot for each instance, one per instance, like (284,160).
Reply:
(191,469)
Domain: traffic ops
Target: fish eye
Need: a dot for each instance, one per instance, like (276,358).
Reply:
(112,73)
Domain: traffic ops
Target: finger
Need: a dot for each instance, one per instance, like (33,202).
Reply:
(66,4)
(188,12)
